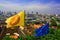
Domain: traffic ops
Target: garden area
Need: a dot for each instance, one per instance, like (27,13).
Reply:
(53,34)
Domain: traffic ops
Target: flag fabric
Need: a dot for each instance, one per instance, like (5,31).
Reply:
(43,30)
(16,20)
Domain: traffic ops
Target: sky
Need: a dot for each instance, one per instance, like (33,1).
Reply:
(42,6)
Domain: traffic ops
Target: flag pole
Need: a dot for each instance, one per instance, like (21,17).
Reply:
(22,32)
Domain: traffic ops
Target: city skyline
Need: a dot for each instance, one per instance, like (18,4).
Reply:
(42,6)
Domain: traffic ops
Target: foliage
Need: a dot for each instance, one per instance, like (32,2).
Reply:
(53,22)
(58,19)
(45,22)
(58,26)
(54,34)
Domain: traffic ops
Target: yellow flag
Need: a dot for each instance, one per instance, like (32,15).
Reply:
(16,20)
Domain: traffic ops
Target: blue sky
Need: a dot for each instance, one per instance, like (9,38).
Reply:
(42,6)
(28,1)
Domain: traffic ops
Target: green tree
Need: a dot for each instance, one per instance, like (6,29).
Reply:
(53,22)
(58,26)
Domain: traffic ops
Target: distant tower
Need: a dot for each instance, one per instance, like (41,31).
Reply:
(36,12)
(32,12)
(37,16)
(0,13)
(15,13)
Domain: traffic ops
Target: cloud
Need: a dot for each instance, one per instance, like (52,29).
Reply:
(51,7)
(15,6)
